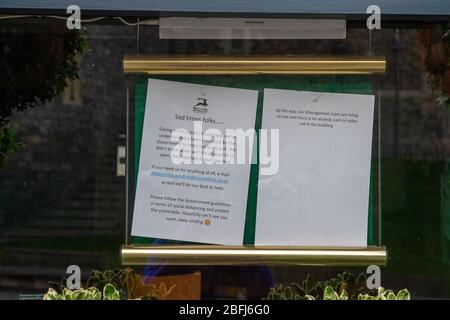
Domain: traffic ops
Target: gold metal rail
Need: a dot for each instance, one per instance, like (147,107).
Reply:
(222,65)
(249,255)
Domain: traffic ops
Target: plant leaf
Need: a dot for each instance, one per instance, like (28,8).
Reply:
(52,295)
(403,295)
(110,292)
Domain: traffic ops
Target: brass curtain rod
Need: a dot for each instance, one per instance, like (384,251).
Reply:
(252,65)
(248,255)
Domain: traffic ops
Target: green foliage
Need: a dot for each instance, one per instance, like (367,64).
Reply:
(115,284)
(52,294)
(125,280)
(309,289)
(35,62)
(109,293)
(8,143)
(330,294)
(120,278)
(383,294)
(345,286)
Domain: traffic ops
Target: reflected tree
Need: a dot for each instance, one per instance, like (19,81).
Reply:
(36,59)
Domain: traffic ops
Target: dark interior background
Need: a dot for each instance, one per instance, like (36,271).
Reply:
(61,202)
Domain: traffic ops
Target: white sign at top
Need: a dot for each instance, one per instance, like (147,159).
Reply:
(252,28)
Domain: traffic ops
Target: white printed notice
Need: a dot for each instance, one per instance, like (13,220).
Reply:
(197,202)
(320,195)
